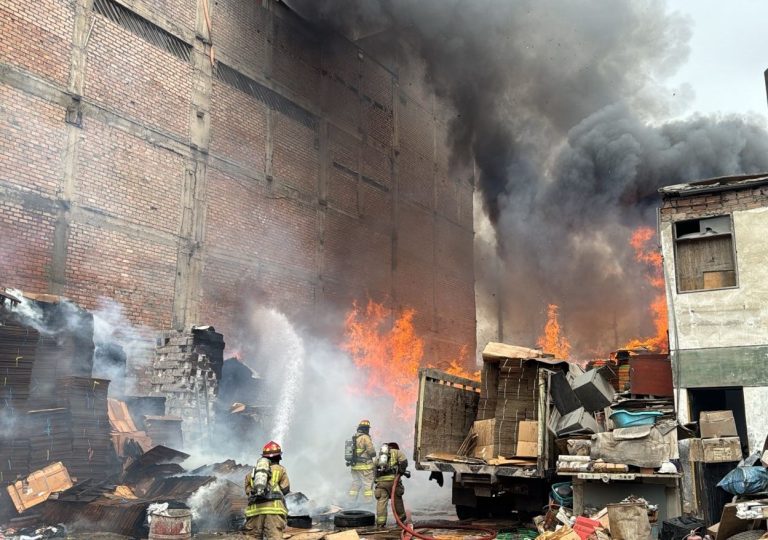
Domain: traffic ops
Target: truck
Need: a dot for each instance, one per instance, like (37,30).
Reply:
(446,410)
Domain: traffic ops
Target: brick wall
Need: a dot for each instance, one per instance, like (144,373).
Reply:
(713,204)
(322,182)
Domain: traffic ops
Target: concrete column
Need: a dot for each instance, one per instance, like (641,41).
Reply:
(191,247)
(73,118)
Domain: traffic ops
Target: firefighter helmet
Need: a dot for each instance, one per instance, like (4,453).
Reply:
(364,424)
(271,449)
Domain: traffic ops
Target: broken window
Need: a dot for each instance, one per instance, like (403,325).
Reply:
(704,255)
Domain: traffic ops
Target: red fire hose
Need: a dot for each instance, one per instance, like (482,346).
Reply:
(406,530)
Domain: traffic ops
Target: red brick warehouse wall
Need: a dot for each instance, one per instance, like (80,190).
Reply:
(304,173)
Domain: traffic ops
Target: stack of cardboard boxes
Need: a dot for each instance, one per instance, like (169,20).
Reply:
(719,442)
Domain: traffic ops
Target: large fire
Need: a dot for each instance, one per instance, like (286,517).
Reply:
(646,252)
(390,352)
(553,340)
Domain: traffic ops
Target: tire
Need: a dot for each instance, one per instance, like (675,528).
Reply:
(300,522)
(747,535)
(465,512)
(354,518)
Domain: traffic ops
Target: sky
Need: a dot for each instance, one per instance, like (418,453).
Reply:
(729,53)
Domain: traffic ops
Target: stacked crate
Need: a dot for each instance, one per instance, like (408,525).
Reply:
(50,437)
(489,384)
(14,459)
(516,401)
(186,370)
(17,359)
(92,450)
(65,350)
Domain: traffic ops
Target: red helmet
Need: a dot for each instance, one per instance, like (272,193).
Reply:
(271,449)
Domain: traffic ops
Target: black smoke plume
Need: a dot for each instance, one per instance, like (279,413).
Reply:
(562,107)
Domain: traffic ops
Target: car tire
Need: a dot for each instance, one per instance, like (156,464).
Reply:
(354,518)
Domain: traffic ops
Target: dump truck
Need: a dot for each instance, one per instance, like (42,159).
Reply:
(447,409)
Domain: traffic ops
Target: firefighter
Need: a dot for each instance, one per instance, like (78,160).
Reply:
(362,466)
(266,486)
(390,462)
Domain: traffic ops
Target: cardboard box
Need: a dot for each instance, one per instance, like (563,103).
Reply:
(485,430)
(527,438)
(485,452)
(717,424)
(723,450)
(594,392)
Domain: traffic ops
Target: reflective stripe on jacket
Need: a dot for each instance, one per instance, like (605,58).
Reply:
(273,506)
(395,459)
(364,453)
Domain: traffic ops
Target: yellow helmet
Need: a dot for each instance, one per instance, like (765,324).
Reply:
(364,425)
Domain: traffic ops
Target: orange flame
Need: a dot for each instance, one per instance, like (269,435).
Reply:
(552,341)
(390,352)
(645,252)
(457,366)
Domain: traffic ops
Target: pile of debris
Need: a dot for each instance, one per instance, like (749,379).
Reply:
(120,503)
(608,424)
(70,452)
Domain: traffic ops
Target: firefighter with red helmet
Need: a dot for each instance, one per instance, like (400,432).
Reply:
(266,486)
(391,464)
(362,463)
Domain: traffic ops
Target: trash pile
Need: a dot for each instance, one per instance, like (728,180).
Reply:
(616,417)
(71,452)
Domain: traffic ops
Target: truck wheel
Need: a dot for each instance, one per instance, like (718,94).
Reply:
(354,518)
(466,512)
(747,535)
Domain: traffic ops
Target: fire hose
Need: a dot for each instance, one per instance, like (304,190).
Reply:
(408,531)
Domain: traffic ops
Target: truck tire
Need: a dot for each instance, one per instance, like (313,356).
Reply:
(465,512)
(354,518)
(747,535)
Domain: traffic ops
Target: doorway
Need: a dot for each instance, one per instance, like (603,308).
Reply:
(721,399)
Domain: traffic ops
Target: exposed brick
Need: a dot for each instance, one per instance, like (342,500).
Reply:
(33,139)
(245,220)
(262,244)
(357,254)
(37,36)
(295,158)
(238,127)
(129,178)
(122,266)
(417,178)
(140,80)
(240,30)
(25,247)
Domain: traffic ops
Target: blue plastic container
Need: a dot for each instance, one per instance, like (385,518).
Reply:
(567,500)
(624,419)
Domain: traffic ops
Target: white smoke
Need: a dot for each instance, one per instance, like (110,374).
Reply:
(325,399)
(111,326)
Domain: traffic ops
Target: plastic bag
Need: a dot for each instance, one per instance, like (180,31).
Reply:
(745,481)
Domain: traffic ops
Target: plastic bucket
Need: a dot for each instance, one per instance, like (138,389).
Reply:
(176,525)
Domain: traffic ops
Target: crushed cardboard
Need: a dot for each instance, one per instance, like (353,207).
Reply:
(39,485)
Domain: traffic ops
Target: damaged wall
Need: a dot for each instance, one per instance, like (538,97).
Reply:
(297,172)
(720,337)
(733,318)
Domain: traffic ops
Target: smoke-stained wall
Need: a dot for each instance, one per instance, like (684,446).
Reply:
(294,170)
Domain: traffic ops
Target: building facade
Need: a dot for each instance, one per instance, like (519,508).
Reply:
(184,157)
(716,270)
